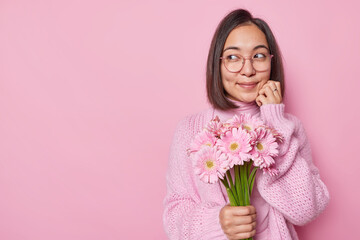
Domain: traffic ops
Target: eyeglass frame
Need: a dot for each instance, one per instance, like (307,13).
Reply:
(243,63)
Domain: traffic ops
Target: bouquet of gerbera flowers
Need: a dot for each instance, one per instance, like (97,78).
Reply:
(244,143)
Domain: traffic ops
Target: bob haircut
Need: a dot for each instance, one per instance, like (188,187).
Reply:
(215,90)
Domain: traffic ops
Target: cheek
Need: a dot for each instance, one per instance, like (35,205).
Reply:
(225,74)
(227,77)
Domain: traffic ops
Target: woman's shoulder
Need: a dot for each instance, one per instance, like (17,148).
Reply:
(293,118)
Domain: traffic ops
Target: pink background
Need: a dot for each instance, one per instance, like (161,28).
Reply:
(91,91)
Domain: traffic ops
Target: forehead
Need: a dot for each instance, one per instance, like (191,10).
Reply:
(246,37)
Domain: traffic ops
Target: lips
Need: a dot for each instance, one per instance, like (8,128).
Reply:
(247,85)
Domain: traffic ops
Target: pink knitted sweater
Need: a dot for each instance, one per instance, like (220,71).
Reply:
(294,197)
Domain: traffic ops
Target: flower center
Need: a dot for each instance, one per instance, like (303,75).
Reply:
(234,146)
(209,164)
(259,146)
(247,127)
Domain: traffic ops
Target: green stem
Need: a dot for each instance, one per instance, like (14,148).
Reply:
(252,178)
(230,179)
(249,167)
(232,187)
(247,189)
(245,185)
(232,199)
(225,182)
(238,185)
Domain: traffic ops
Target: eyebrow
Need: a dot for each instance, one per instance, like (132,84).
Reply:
(236,48)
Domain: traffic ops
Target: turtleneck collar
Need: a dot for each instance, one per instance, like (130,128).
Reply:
(243,107)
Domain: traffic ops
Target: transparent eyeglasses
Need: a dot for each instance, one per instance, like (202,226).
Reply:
(261,62)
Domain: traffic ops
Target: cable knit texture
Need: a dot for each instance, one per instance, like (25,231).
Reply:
(294,197)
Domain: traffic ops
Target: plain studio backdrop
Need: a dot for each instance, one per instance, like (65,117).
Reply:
(91,92)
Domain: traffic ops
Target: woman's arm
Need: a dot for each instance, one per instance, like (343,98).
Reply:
(185,216)
(297,192)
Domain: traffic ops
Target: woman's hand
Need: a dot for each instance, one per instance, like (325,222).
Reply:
(238,222)
(269,93)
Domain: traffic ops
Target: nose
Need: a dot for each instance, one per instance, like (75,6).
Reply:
(247,69)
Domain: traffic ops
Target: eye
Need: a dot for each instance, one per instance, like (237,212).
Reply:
(259,55)
(232,57)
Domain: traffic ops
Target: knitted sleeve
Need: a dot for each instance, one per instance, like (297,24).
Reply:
(185,216)
(297,192)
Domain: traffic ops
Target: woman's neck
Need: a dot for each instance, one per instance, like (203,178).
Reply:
(243,107)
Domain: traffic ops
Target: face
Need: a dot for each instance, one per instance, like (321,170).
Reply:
(247,41)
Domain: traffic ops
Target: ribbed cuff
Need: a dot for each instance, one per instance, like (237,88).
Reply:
(273,113)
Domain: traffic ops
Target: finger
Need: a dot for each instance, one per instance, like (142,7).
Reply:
(258,102)
(277,94)
(273,85)
(261,100)
(245,235)
(270,84)
(241,220)
(272,81)
(278,87)
(264,86)
(244,210)
(269,92)
(262,91)
(245,228)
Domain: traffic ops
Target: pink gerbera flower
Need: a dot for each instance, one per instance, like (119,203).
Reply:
(270,171)
(236,144)
(245,121)
(210,164)
(265,148)
(203,139)
(235,122)
(279,138)
(214,126)
(250,123)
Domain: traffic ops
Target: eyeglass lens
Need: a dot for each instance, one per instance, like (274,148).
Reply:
(235,62)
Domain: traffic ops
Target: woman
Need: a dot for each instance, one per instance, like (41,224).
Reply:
(244,75)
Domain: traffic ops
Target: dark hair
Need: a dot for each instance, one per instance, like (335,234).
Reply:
(215,89)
